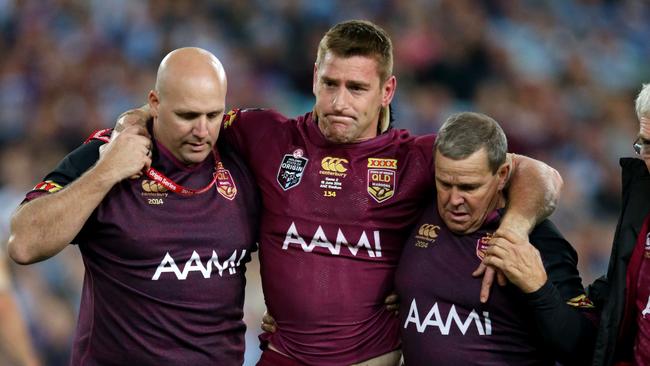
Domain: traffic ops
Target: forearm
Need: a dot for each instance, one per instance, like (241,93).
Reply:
(44,226)
(533,193)
(568,332)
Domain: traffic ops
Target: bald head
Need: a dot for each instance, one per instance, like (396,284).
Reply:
(188,103)
(189,63)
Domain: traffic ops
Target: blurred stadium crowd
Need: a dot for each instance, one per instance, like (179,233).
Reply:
(560,76)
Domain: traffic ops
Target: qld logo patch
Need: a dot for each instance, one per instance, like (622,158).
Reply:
(291,169)
(225,184)
(48,186)
(382,178)
(482,244)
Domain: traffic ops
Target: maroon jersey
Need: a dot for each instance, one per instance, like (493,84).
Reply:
(442,320)
(334,221)
(164,274)
(642,301)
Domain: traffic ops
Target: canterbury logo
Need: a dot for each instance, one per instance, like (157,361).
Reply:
(429,231)
(151,186)
(334,164)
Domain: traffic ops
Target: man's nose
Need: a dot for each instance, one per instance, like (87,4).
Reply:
(340,100)
(456,198)
(201,127)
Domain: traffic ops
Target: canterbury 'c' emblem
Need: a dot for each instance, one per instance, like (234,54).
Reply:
(429,231)
(151,186)
(334,164)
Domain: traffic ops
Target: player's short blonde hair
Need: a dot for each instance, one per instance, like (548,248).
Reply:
(359,38)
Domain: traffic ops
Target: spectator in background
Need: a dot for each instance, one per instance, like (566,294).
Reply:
(14,336)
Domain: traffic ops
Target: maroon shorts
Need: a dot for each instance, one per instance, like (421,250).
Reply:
(272,358)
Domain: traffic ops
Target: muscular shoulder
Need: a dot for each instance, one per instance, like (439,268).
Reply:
(241,118)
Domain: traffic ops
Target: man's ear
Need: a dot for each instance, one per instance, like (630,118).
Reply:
(388,91)
(503,174)
(154,101)
(315,79)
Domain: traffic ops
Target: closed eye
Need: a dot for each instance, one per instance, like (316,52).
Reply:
(188,115)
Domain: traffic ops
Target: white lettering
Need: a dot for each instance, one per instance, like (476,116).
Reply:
(194,264)
(434,319)
(293,238)
(646,311)
(320,240)
(488,323)
(230,262)
(377,244)
(167,265)
(413,317)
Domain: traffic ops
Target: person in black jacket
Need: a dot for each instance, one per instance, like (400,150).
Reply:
(624,293)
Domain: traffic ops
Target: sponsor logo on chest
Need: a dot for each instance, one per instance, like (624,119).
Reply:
(291,169)
(169,268)
(647,246)
(154,192)
(382,178)
(427,234)
(333,171)
(369,243)
(475,323)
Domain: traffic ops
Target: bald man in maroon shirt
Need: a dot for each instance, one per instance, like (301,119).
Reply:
(164,263)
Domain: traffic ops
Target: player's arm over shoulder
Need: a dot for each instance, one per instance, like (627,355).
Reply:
(247,129)
(533,192)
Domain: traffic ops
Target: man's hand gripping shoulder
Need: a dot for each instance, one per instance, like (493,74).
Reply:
(533,191)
